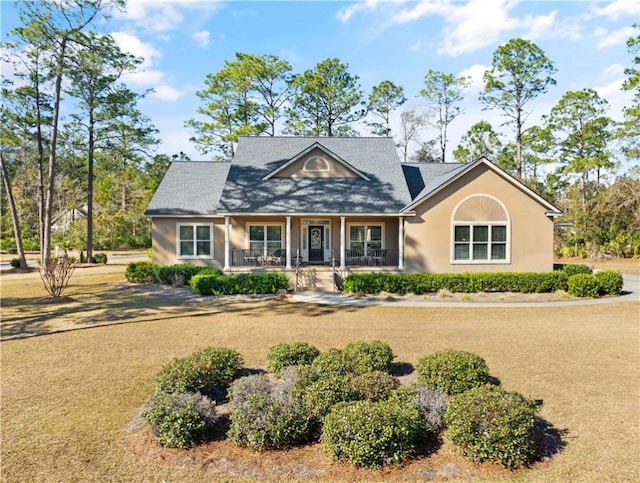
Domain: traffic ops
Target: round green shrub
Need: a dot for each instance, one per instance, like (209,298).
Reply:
(372,434)
(205,371)
(291,354)
(375,386)
(140,272)
(491,424)
(100,258)
(333,362)
(576,268)
(583,285)
(321,395)
(610,282)
(452,371)
(265,417)
(369,356)
(180,420)
(15,263)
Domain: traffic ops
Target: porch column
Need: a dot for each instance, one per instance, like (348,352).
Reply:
(226,243)
(287,236)
(343,248)
(400,243)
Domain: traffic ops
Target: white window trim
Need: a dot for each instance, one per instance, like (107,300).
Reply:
(194,257)
(489,243)
(366,225)
(471,224)
(264,247)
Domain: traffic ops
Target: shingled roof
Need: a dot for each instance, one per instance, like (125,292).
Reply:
(381,184)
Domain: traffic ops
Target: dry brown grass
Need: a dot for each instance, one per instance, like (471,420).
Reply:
(68,397)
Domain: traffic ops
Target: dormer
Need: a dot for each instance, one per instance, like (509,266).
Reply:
(316,161)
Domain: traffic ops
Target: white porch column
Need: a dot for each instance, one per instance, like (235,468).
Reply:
(343,247)
(288,243)
(400,243)
(226,243)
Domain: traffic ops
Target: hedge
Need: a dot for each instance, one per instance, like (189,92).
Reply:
(420,283)
(181,274)
(240,284)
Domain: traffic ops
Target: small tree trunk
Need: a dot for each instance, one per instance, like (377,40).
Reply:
(14,214)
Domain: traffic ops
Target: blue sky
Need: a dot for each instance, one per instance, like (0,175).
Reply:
(183,41)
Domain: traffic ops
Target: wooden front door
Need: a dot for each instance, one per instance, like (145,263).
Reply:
(316,244)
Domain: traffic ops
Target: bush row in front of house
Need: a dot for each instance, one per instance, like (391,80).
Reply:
(579,284)
(348,400)
(207,280)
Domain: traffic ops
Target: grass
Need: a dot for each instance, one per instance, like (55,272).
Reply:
(74,374)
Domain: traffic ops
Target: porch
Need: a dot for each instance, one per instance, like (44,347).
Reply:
(353,258)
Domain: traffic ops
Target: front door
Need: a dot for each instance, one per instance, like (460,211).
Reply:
(316,244)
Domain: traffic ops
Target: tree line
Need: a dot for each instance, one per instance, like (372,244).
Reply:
(101,158)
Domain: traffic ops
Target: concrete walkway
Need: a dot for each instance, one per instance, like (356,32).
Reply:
(631,293)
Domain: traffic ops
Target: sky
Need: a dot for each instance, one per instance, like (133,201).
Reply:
(183,41)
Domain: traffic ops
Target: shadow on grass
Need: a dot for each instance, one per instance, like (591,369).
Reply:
(127,304)
(548,439)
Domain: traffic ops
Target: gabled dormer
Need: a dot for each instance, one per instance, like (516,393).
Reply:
(316,161)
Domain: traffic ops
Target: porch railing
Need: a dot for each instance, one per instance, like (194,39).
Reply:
(258,258)
(380,257)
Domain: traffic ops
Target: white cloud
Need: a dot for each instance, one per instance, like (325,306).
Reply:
(476,24)
(614,70)
(475,73)
(158,16)
(618,9)
(130,43)
(615,38)
(416,46)
(344,14)
(202,38)
(167,93)
(540,26)
(144,78)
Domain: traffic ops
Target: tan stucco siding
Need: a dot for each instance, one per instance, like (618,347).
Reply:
(429,238)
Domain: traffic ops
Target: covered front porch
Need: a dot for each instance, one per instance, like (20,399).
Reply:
(287,242)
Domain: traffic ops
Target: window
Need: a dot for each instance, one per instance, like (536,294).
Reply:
(317,164)
(195,240)
(480,242)
(365,237)
(480,230)
(265,239)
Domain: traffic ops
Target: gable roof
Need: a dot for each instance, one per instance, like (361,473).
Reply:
(189,188)
(441,175)
(381,188)
(306,151)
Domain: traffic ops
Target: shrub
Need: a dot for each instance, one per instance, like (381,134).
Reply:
(452,371)
(100,258)
(369,356)
(583,285)
(15,262)
(180,420)
(491,424)
(375,386)
(333,362)
(431,404)
(181,274)
(205,371)
(291,354)
(321,395)
(263,417)
(140,272)
(576,268)
(242,283)
(609,282)
(372,434)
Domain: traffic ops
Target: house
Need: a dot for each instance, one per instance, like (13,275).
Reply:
(349,202)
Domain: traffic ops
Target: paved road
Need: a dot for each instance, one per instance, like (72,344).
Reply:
(631,293)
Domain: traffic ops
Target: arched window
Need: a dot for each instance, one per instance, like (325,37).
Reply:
(480,231)
(317,164)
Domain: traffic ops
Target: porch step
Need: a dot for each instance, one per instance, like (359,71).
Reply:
(314,279)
